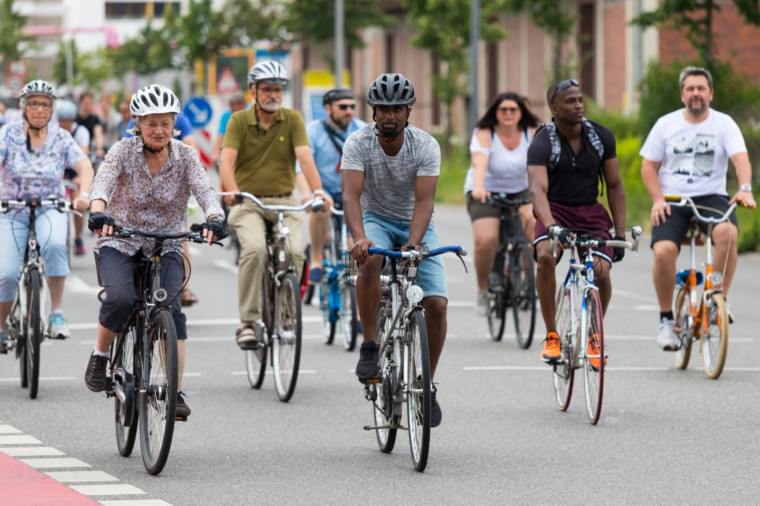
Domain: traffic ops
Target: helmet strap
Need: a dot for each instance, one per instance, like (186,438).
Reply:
(152,150)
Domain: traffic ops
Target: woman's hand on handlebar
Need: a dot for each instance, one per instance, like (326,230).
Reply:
(101,224)
(480,195)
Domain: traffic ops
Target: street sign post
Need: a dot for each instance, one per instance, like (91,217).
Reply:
(198,110)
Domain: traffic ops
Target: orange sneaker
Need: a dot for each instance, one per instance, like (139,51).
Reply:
(552,349)
(593,352)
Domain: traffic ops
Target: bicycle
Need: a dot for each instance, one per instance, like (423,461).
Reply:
(280,305)
(337,295)
(404,361)
(512,280)
(25,328)
(701,315)
(143,365)
(579,319)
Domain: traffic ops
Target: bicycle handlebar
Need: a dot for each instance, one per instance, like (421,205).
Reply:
(316,204)
(413,254)
(59,204)
(125,232)
(502,200)
(684,201)
(576,239)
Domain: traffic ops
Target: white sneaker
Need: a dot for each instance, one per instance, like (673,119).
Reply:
(481,304)
(57,326)
(666,335)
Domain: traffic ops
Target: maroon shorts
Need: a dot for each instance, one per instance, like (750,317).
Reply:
(591,219)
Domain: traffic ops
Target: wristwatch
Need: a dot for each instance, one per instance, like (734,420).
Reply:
(746,187)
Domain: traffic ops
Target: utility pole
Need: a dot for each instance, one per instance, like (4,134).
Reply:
(339,41)
(474,36)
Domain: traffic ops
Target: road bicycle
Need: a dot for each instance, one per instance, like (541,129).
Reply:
(701,313)
(143,366)
(26,330)
(337,295)
(280,304)
(512,280)
(404,360)
(579,319)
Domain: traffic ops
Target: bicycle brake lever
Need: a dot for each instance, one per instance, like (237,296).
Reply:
(461,259)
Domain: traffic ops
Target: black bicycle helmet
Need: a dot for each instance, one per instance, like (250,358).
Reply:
(391,89)
(337,94)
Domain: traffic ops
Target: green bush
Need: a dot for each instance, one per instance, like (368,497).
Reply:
(454,168)
(622,125)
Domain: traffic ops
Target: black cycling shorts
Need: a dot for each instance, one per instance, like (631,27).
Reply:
(677,224)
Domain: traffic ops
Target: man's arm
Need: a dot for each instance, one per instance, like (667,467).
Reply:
(615,194)
(353,186)
(424,196)
(98,131)
(308,167)
(744,176)
(539,186)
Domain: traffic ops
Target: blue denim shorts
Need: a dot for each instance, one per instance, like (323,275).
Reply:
(389,233)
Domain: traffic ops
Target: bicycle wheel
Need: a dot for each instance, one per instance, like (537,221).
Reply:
(715,340)
(417,382)
(127,365)
(564,372)
(683,328)
(286,338)
(384,414)
(523,293)
(17,327)
(33,331)
(349,323)
(328,322)
(594,362)
(158,403)
(256,360)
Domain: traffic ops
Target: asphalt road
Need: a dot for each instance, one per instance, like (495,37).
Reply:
(665,436)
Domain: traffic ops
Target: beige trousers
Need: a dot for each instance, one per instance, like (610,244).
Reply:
(248,221)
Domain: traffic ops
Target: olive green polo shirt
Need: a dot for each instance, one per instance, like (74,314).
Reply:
(266,159)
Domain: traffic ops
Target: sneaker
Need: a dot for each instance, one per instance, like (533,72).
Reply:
(315,275)
(57,326)
(79,249)
(182,411)
(666,335)
(95,375)
(481,303)
(435,409)
(366,369)
(3,342)
(593,352)
(552,349)
(188,298)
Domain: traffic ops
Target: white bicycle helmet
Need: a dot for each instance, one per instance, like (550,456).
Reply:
(268,70)
(154,99)
(66,110)
(38,87)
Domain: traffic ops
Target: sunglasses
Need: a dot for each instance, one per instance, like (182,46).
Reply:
(271,91)
(345,107)
(562,86)
(508,110)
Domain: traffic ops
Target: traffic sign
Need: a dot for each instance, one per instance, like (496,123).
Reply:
(198,111)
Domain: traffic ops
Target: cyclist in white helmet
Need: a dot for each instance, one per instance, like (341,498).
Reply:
(154,200)
(260,149)
(33,156)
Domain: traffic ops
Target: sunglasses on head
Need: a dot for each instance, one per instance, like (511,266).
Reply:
(562,86)
(345,107)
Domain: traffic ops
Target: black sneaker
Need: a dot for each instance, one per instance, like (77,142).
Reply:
(435,409)
(367,370)
(95,375)
(182,410)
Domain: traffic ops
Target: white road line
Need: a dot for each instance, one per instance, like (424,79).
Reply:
(136,502)
(32,451)
(193,374)
(75,284)
(19,440)
(7,429)
(645,337)
(120,489)
(53,463)
(43,378)
(81,476)
(631,295)
(610,369)
(301,371)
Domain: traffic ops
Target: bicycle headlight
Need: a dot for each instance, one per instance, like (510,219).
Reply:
(716,278)
(414,294)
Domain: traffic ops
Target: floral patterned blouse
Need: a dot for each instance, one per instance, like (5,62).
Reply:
(156,204)
(39,172)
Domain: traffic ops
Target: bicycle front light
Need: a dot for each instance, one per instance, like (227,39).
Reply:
(414,294)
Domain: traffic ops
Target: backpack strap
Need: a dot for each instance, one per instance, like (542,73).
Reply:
(333,136)
(556,147)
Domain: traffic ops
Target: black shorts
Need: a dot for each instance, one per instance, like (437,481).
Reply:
(677,224)
(478,210)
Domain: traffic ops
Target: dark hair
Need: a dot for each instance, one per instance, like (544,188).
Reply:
(86,94)
(695,71)
(527,119)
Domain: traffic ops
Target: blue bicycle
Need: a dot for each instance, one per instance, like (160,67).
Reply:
(337,293)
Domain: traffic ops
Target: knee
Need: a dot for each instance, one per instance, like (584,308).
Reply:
(725,235)
(252,251)
(371,268)
(545,261)
(436,308)
(486,242)
(119,300)
(665,251)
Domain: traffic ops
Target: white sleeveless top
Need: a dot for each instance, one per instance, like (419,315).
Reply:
(507,168)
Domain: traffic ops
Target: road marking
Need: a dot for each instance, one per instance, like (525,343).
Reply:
(53,463)
(43,378)
(81,476)
(644,337)
(19,440)
(135,502)
(193,374)
(120,489)
(32,451)
(7,429)
(609,368)
(75,284)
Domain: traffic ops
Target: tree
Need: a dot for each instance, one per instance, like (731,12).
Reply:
(443,27)
(694,18)
(203,32)
(13,42)
(148,52)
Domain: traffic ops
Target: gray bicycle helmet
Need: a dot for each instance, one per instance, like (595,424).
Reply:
(268,70)
(391,89)
(38,87)
(66,110)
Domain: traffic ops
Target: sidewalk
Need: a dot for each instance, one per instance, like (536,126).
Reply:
(21,485)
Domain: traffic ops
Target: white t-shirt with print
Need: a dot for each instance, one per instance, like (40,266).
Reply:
(693,156)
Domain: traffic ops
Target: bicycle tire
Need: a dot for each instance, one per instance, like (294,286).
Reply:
(34,331)
(158,402)
(328,326)
(564,371)
(714,352)
(256,360)
(348,317)
(19,324)
(383,409)
(523,293)
(286,338)
(496,314)
(593,377)
(684,332)
(125,413)
(418,384)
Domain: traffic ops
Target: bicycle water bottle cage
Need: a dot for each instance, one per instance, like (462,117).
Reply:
(682,278)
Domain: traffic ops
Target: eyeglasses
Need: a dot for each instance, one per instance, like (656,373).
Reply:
(508,110)
(271,91)
(345,107)
(562,86)
(45,106)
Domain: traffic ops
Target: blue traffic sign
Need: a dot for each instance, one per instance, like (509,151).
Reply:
(198,111)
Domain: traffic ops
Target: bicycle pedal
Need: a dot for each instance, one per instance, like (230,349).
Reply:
(369,381)
(180,418)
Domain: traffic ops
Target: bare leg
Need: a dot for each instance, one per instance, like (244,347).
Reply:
(724,237)
(528,221)
(318,227)
(603,282)
(104,339)
(435,318)
(5,310)
(56,285)
(664,273)
(180,362)
(546,284)
(368,295)
(486,238)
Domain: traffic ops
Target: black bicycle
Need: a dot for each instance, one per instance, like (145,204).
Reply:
(512,280)
(143,366)
(25,329)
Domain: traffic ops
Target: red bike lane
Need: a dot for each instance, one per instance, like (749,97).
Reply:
(21,484)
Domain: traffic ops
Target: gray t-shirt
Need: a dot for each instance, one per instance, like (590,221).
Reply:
(389,181)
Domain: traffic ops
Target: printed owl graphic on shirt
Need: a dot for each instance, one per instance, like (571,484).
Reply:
(693,154)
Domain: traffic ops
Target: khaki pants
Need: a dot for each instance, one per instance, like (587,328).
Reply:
(248,222)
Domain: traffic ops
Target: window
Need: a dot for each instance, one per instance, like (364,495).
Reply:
(139,10)
(586,43)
